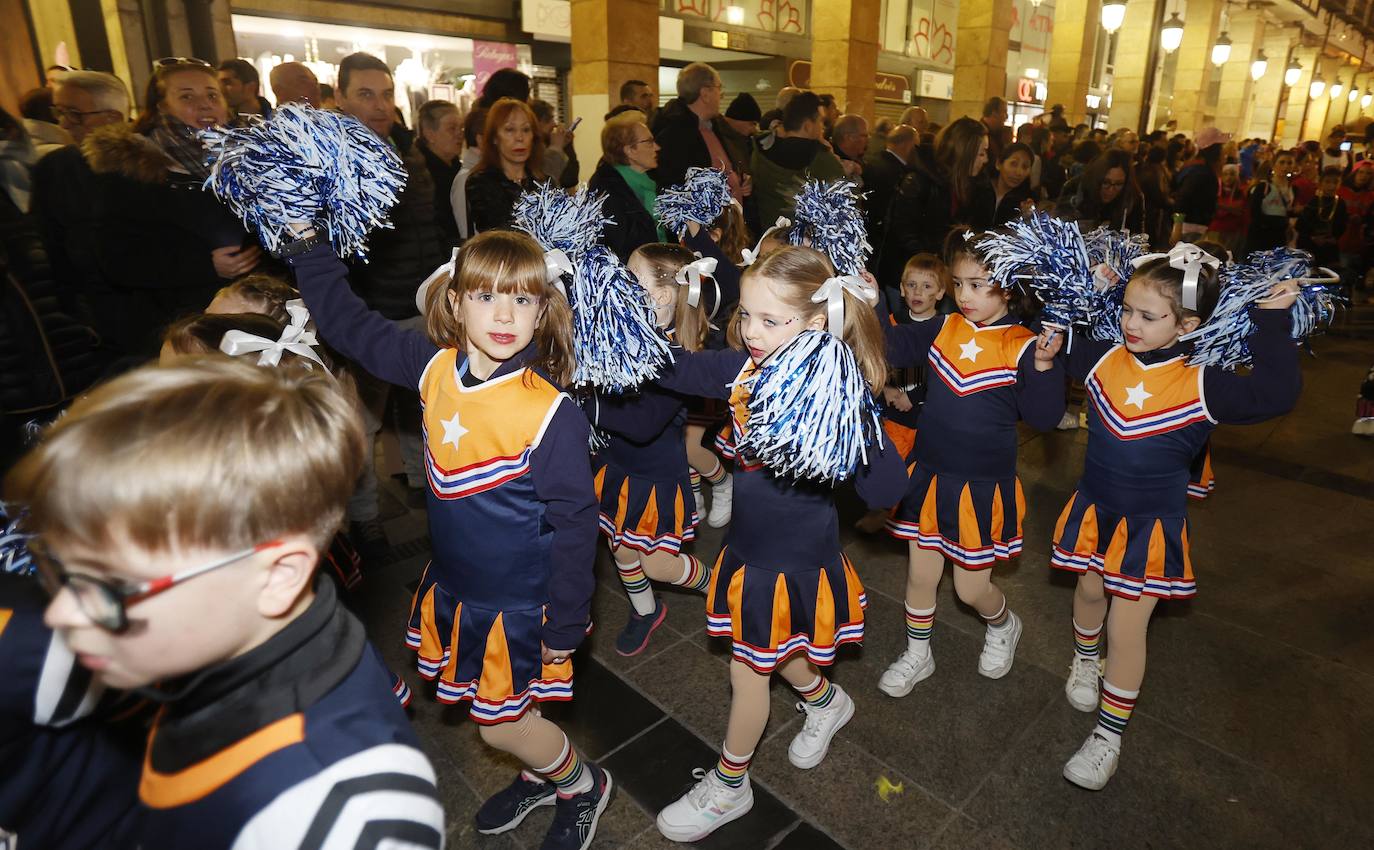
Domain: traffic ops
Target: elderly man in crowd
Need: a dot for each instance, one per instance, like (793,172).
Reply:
(294,82)
(688,130)
(850,141)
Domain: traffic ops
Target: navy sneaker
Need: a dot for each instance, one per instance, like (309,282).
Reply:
(575,818)
(635,636)
(508,807)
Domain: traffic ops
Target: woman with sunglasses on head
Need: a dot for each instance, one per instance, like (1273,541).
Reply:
(162,245)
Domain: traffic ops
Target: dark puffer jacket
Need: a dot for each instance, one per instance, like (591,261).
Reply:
(152,231)
(630,224)
(402,256)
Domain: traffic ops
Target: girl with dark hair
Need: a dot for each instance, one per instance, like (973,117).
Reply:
(1105,194)
(1012,185)
(961,152)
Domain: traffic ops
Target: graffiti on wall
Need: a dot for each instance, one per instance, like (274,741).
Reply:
(784,16)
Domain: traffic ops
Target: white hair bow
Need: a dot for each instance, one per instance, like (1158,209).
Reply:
(1190,259)
(422,294)
(751,255)
(832,293)
(557,263)
(691,274)
(294,338)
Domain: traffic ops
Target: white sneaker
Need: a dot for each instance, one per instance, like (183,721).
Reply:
(697,502)
(999,648)
(1081,688)
(722,495)
(1363,427)
(1068,422)
(810,745)
(1093,764)
(903,674)
(710,805)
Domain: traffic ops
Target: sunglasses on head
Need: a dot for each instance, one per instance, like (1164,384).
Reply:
(168,62)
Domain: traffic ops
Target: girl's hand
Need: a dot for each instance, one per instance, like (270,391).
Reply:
(1047,347)
(897,398)
(554,656)
(1281,297)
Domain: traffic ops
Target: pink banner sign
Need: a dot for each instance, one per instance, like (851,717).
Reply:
(491,56)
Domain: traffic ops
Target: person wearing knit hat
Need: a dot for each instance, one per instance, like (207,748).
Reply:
(743,114)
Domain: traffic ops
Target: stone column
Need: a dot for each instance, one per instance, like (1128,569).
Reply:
(980,55)
(1076,25)
(1135,48)
(1234,102)
(1265,95)
(844,52)
(612,41)
(1193,73)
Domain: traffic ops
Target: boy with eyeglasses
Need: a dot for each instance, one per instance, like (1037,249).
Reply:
(179,514)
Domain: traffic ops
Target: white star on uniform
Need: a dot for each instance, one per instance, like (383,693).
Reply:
(453,430)
(1137,395)
(970,350)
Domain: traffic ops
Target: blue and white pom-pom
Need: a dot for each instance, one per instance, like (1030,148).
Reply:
(558,221)
(1048,256)
(828,218)
(616,343)
(1112,254)
(306,165)
(1224,339)
(811,413)
(15,557)
(700,199)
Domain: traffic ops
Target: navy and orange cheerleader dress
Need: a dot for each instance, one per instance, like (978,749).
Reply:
(512,512)
(781,584)
(641,476)
(1149,416)
(964,499)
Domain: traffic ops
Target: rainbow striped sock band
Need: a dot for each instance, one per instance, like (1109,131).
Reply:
(819,694)
(566,773)
(695,478)
(919,623)
(632,576)
(1086,642)
(731,769)
(716,476)
(1114,712)
(695,575)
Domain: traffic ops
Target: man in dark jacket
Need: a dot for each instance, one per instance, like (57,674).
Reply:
(882,175)
(782,163)
(689,129)
(399,258)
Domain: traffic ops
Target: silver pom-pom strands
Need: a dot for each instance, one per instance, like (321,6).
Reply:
(1224,339)
(811,414)
(306,166)
(616,343)
(699,199)
(828,219)
(1050,257)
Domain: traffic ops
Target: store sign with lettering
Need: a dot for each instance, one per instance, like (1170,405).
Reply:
(885,86)
(489,57)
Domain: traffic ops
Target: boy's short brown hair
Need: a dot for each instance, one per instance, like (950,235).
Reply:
(928,263)
(216,453)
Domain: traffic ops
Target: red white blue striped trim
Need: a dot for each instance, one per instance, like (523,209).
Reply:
(402,692)
(667,542)
(1138,427)
(972,559)
(765,660)
(476,478)
(1198,491)
(488,712)
(962,385)
(1127,587)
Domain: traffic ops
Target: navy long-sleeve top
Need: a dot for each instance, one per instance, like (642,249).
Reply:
(644,432)
(720,299)
(1151,413)
(980,381)
(779,524)
(513,515)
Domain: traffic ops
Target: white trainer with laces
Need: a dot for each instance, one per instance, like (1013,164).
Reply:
(904,673)
(722,496)
(999,648)
(1093,764)
(708,806)
(1081,688)
(810,745)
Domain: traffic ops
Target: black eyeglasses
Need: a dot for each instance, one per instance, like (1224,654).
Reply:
(1113,184)
(105,602)
(76,115)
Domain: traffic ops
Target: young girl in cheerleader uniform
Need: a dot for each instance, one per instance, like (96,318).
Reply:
(1125,530)
(964,501)
(782,589)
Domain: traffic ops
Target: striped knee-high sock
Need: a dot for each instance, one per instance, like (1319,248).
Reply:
(637,586)
(695,575)
(567,772)
(818,694)
(1114,712)
(920,622)
(716,475)
(732,769)
(1087,643)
